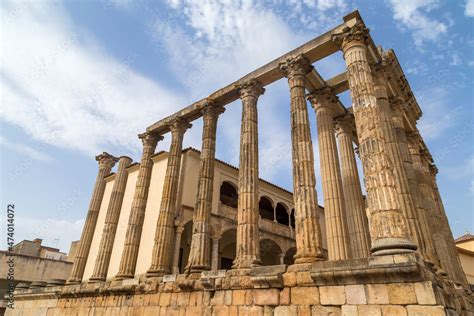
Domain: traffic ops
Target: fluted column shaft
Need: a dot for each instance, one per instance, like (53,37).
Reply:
(388,225)
(177,246)
(111,221)
(389,135)
(307,229)
(165,229)
(354,200)
(106,162)
(215,254)
(248,240)
(324,102)
(131,246)
(422,214)
(200,244)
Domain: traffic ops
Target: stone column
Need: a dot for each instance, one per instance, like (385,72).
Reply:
(422,214)
(131,246)
(388,225)
(354,200)
(405,198)
(248,241)
(324,101)
(163,247)
(457,272)
(111,221)
(308,232)
(106,162)
(177,246)
(200,242)
(281,258)
(215,253)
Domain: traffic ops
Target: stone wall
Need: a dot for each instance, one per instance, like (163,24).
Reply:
(368,287)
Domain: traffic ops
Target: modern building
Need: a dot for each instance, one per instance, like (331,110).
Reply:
(35,248)
(465,248)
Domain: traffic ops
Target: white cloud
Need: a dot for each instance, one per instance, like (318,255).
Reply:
(469,10)
(413,15)
(56,80)
(30,152)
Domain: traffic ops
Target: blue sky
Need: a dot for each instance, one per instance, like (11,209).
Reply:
(82,77)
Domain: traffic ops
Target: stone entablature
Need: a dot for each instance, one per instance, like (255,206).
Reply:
(389,252)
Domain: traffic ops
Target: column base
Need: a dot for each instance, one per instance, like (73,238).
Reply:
(246,262)
(158,272)
(96,279)
(309,258)
(124,276)
(197,269)
(392,246)
(74,281)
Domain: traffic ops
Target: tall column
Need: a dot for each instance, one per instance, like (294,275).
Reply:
(388,225)
(248,240)
(106,162)
(308,232)
(200,242)
(177,246)
(354,200)
(456,271)
(163,247)
(111,221)
(131,246)
(389,135)
(422,214)
(324,102)
(215,253)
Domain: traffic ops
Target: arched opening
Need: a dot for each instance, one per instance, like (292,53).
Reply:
(282,216)
(292,218)
(227,249)
(270,252)
(265,208)
(289,256)
(185,246)
(228,194)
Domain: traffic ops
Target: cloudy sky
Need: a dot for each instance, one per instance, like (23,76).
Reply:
(81,77)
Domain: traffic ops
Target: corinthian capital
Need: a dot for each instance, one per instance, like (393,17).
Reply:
(323,98)
(212,109)
(355,35)
(106,160)
(252,88)
(179,125)
(345,124)
(294,66)
(150,139)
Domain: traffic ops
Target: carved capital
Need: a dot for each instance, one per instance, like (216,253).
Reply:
(251,88)
(351,36)
(106,160)
(212,109)
(345,124)
(179,125)
(150,139)
(323,98)
(294,66)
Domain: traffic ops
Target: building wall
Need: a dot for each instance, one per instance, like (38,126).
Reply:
(467,263)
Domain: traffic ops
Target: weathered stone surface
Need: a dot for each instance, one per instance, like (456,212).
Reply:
(355,294)
(377,294)
(325,311)
(424,293)
(390,310)
(304,296)
(266,297)
(369,310)
(332,295)
(417,310)
(401,294)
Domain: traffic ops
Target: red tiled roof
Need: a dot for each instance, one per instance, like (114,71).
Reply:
(465,237)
